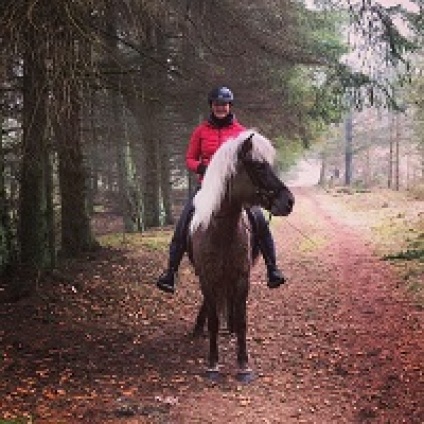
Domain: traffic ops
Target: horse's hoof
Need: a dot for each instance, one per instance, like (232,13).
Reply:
(245,376)
(213,374)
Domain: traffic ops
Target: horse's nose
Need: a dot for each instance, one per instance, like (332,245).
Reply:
(290,202)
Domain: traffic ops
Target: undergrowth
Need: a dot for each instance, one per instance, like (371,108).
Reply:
(413,258)
(158,240)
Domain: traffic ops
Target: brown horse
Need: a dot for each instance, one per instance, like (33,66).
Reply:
(240,175)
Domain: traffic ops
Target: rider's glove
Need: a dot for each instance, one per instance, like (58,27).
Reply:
(201,169)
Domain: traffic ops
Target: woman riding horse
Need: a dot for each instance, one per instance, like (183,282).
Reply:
(204,142)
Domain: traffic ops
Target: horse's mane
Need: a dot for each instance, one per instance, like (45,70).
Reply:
(221,168)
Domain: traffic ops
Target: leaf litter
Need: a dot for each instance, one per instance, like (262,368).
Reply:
(341,342)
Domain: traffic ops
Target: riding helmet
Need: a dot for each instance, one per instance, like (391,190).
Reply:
(221,95)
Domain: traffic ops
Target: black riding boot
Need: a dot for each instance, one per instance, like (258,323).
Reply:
(166,281)
(266,244)
(267,247)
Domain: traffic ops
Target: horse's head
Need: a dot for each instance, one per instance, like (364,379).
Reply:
(240,173)
(269,191)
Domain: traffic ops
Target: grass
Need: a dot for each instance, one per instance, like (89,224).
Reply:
(311,243)
(412,260)
(414,250)
(397,230)
(158,240)
(408,255)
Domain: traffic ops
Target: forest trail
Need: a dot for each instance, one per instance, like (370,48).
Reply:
(339,343)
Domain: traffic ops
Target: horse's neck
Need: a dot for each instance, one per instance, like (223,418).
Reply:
(227,219)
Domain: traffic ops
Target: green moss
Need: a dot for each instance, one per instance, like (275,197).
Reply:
(17,421)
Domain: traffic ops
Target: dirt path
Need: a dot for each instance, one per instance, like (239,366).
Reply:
(340,343)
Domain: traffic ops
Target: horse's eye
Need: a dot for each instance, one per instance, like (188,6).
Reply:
(256,165)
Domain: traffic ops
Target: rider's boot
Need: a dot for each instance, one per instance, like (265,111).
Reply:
(177,248)
(166,281)
(266,246)
(275,276)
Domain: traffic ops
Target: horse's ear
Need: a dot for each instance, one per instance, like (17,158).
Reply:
(246,147)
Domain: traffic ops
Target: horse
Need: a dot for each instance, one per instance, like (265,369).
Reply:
(240,175)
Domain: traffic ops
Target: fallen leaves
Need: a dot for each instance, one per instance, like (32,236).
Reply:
(339,343)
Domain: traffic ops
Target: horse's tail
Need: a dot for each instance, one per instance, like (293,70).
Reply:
(219,294)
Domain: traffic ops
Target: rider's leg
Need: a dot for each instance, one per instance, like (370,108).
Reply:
(166,281)
(266,245)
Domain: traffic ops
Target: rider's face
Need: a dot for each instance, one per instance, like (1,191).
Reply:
(220,110)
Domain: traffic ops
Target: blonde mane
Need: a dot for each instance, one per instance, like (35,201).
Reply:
(221,168)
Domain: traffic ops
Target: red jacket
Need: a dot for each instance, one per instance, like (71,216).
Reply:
(205,141)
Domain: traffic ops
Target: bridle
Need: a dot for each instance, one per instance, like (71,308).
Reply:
(265,194)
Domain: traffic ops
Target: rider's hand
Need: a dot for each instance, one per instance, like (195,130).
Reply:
(201,169)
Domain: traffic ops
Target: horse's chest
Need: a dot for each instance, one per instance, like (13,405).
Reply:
(222,253)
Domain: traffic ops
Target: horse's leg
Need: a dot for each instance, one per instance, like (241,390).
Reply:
(200,320)
(213,327)
(225,319)
(230,315)
(244,373)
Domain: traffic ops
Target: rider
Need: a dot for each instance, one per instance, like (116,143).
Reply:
(204,142)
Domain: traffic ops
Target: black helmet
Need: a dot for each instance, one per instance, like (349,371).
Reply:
(221,95)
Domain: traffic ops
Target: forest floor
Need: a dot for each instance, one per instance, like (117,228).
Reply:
(341,342)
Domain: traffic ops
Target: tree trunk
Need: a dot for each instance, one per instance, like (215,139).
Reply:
(129,194)
(132,190)
(128,190)
(92,156)
(368,171)
(323,170)
(391,144)
(5,230)
(348,148)
(422,158)
(150,171)
(75,224)
(165,181)
(397,153)
(33,222)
